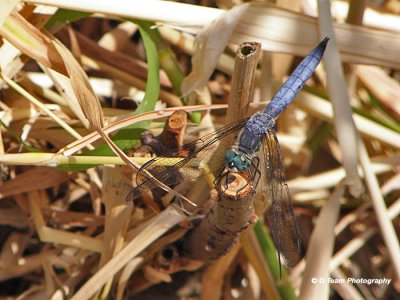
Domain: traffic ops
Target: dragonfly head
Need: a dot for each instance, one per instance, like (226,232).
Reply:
(236,161)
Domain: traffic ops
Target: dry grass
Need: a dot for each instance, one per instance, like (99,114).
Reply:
(70,86)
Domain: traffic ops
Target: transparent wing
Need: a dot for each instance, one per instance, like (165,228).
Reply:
(167,168)
(280,215)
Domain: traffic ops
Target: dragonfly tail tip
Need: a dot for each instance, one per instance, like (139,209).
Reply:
(323,43)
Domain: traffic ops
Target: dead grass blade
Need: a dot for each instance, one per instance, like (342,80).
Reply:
(94,52)
(126,273)
(51,235)
(31,41)
(63,86)
(208,46)
(213,277)
(31,180)
(344,125)
(346,290)
(381,19)
(359,241)
(320,249)
(118,212)
(153,115)
(323,110)
(251,246)
(149,232)
(155,10)
(41,106)
(386,226)
(53,160)
(31,263)
(331,178)
(116,39)
(385,88)
(88,101)
(127,78)
(6,7)
(349,143)
(264,23)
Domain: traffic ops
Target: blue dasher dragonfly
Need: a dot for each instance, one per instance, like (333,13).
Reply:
(256,153)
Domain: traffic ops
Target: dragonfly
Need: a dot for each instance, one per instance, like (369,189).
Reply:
(256,153)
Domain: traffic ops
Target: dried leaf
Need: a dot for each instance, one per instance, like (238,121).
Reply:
(320,249)
(385,88)
(148,232)
(32,42)
(63,86)
(6,7)
(32,180)
(84,93)
(209,45)
(275,28)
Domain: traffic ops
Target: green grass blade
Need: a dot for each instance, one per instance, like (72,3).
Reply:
(270,255)
(64,16)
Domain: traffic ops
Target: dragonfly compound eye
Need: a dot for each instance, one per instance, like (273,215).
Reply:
(241,163)
(229,155)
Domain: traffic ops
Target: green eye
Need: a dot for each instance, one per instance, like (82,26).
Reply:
(241,163)
(229,155)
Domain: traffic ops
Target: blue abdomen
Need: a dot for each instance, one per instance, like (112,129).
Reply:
(296,81)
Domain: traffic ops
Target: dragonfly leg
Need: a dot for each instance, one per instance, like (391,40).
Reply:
(254,176)
(257,173)
(222,174)
(243,187)
(225,174)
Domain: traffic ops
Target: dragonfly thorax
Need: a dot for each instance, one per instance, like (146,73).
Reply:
(256,127)
(237,160)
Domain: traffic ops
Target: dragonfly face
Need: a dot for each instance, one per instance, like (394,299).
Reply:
(237,161)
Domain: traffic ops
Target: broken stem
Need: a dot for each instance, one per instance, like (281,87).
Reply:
(220,229)
(247,56)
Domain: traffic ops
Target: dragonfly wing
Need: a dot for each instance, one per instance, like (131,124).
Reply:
(280,214)
(167,169)
(159,169)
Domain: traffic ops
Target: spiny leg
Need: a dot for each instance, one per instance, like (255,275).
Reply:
(220,176)
(255,162)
